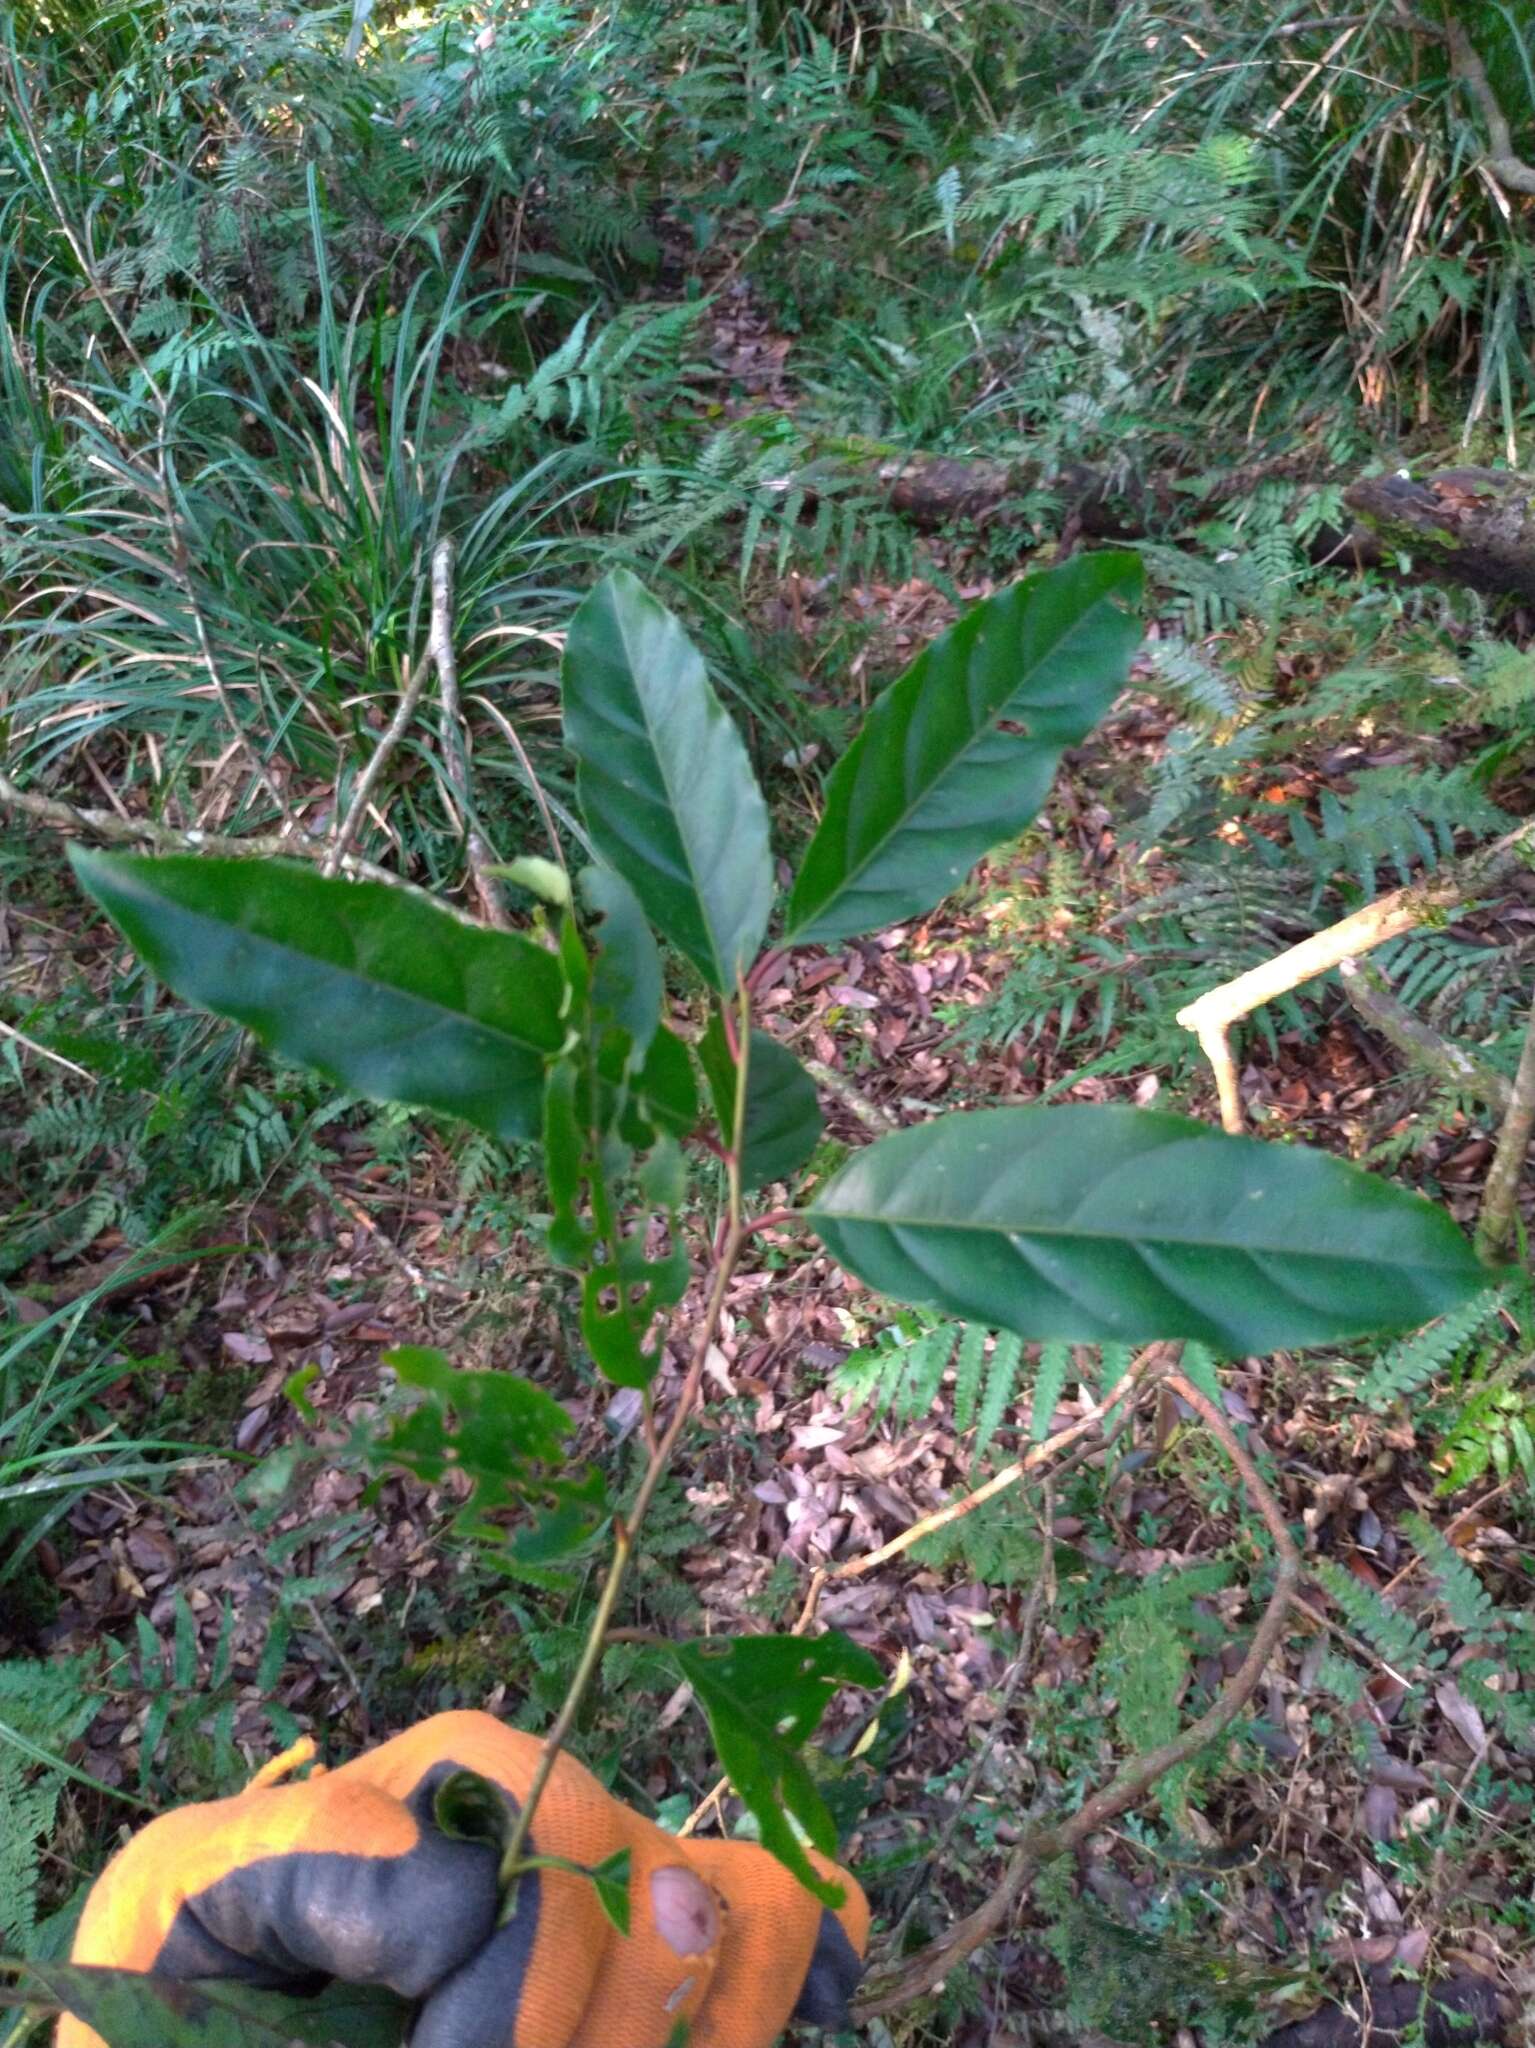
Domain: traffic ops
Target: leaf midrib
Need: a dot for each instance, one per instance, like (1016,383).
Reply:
(292,952)
(1222,1244)
(683,840)
(850,878)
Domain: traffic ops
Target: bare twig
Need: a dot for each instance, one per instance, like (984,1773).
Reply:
(75,822)
(45,1052)
(455,740)
(1154,1359)
(1211,1016)
(1423,1045)
(367,782)
(1500,1196)
(895,1985)
(1504,165)
(870,1114)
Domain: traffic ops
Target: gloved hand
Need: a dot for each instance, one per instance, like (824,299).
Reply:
(346,1875)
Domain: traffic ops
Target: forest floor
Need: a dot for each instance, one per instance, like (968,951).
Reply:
(1342,1842)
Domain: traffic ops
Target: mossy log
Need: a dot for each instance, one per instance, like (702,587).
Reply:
(1469,526)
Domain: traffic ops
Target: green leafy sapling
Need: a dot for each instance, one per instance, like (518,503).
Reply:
(1073,1224)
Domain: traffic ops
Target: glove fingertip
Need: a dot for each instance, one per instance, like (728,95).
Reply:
(835,1972)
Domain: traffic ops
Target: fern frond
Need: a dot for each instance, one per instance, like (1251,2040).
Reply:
(1466,1600)
(1398,1639)
(1429,1352)
(1193,678)
(1001,1389)
(1055,1367)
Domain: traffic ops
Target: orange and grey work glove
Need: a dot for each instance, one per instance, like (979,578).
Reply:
(346,1875)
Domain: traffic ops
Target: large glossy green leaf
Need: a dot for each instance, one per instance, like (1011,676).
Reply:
(626,973)
(1095,1224)
(131,2010)
(764,1696)
(374,987)
(934,780)
(783,1114)
(664,779)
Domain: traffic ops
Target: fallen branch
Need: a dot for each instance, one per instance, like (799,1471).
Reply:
(367,782)
(870,1114)
(76,822)
(1500,1196)
(1153,1359)
(1469,526)
(73,821)
(1211,1016)
(1474,527)
(1421,1043)
(1500,160)
(897,1984)
(455,743)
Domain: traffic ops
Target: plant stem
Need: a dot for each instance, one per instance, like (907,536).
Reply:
(1500,1197)
(625,1530)
(367,782)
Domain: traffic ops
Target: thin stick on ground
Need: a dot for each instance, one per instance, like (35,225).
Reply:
(46,1052)
(1421,1043)
(1122,1397)
(455,741)
(897,1984)
(1211,1016)
(73,821)
(368,781)
(1500,1197)
(1154,1359)
(870,1114)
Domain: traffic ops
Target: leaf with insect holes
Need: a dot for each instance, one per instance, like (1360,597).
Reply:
(626,973)
(508,1437)
(624,1285)
(935,779)
(783,1114)
(1107,1224)
(372,986)
(131,2010)
(665,782)
(764,1697)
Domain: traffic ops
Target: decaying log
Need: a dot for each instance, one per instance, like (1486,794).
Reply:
(1470,526)
(1117,503)
(1465,526)
(1458,2012)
